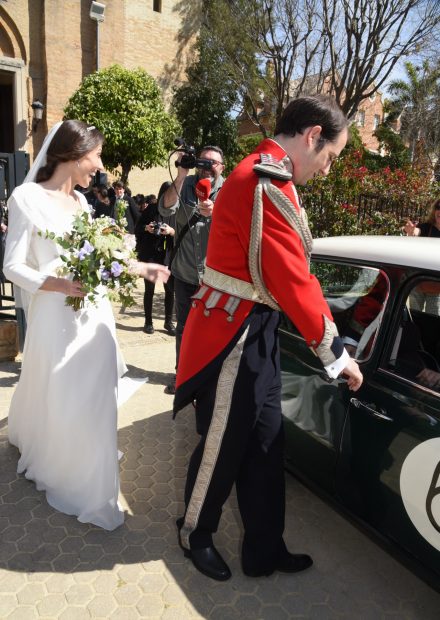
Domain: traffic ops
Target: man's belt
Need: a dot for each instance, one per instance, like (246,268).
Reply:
(228,284)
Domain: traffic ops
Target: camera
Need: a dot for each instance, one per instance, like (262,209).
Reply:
(189,159)
(157,227)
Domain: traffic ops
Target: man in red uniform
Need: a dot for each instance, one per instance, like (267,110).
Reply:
(257,264)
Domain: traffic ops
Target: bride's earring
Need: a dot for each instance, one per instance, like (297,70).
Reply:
(77,163)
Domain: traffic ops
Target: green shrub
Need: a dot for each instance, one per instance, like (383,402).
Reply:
(355,200)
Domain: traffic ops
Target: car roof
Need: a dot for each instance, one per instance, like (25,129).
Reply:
(421,252)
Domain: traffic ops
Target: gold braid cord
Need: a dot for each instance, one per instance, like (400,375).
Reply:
(297,221)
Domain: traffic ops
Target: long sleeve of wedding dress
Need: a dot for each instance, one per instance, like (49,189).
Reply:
(16,266)
(63,414)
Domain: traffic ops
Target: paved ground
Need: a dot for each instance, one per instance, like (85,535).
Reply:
(51,566)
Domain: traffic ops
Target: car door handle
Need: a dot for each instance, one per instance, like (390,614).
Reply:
(371,409)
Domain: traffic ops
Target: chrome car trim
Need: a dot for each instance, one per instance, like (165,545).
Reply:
(377,414)
(409,382)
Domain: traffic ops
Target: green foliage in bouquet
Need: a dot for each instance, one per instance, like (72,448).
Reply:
(121,207)
(97,253)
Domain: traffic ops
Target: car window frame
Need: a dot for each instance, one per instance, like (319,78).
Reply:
(347,262)
(398,306)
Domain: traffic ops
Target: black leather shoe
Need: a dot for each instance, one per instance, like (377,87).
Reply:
(293,562)
(148,329)
(170,328)
(208,561)
(286,563)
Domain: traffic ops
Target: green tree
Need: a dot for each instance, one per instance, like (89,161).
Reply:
(126,105)
(274,50)
(203,103)
(416,100)
(397,153)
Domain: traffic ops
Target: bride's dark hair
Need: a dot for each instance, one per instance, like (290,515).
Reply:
(73,140)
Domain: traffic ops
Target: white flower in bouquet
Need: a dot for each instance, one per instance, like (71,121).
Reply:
(96,253)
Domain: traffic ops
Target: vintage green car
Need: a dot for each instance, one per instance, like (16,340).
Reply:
(375,452)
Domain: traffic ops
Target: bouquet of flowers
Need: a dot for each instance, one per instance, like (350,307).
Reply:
(121,207)
(98,252)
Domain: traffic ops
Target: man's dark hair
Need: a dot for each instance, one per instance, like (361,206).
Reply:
(306,112)
(103,191)
(216,149)
(119,185)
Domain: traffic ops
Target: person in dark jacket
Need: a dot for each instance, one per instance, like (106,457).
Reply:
(154,238)
(132,212)
(103,205)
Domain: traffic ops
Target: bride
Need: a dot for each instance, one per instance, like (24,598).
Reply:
(63,414)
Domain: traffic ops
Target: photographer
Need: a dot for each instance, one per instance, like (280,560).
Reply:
(154,240)
(193,221)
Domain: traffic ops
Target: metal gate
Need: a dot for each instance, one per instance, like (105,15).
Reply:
(13,169)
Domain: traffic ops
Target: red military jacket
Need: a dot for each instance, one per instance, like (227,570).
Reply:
(284,266)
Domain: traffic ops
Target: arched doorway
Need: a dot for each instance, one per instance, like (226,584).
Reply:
(7,142)
(13,100)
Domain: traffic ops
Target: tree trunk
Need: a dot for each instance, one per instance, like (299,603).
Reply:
(126,167)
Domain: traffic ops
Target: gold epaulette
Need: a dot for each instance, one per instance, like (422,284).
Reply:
(272,168)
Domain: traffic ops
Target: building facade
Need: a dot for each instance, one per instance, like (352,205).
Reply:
(48,46)
(368,117)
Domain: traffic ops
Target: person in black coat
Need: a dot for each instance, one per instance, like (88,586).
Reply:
(132,212)
(154,239)
(103,206)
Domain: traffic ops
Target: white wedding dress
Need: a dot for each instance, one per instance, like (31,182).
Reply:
(63,414)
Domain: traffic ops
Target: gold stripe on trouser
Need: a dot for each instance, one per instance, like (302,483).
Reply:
(214,438)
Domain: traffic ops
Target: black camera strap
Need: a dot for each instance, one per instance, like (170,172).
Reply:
(190,222)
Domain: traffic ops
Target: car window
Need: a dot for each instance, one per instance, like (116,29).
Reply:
(415,354)
(356,297)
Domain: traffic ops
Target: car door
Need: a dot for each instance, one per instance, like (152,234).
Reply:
(315,407)
(388,472)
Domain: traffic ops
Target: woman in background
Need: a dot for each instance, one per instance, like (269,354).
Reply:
(430,228)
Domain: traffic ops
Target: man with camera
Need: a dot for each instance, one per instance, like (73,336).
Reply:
(193,222)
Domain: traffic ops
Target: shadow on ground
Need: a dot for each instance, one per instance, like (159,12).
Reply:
(350,572)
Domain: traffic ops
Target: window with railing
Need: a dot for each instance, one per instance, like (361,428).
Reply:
(361,118)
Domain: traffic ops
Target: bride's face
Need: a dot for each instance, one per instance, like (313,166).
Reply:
(84,171)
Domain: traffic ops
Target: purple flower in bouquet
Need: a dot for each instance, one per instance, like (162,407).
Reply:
(86,249)
(116,269)
(88,252)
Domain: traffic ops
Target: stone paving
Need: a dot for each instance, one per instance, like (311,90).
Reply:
(53,567)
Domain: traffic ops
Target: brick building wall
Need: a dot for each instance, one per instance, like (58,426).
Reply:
(367,118)
(48,46)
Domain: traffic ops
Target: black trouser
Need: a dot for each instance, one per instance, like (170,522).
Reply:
(238,414)
(182,295)
(148,301)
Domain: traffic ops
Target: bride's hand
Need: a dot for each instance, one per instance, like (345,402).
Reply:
(74,288)
(150,271)
(62,285)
